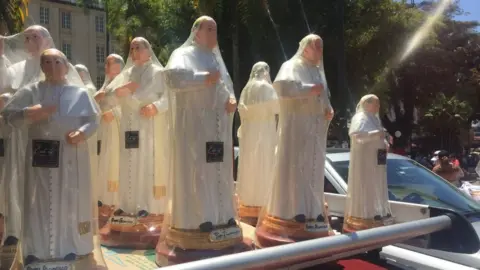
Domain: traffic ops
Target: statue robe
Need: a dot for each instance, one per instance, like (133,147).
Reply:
(202,176)
(58,200)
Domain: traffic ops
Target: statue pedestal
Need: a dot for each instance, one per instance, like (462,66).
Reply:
(139,234)
(168,254)
(104,214)
(274,232)
(248,214)
(353,224)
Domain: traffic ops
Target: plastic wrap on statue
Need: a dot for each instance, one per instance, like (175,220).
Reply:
(143,135)
(86,78)
(367,203)
(108,146)
(59,210)
(201,220)
(19,66)
(258,139)
(295,208)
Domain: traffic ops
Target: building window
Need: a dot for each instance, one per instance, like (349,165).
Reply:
(99,24)
(44,15)
(66,20)
(100,54)
(100,80)
(67,50)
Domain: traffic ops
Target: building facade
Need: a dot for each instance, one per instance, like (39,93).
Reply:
(80,33)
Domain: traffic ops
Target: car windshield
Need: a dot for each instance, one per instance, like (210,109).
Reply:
(410,182)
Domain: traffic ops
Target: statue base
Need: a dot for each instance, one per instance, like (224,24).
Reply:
(353,224)
(104,214)
(248,214)
(130,232)
(86,262)
(275,231)
(167,255)
(8,255)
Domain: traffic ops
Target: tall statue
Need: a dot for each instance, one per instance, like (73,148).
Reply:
(108,145)
(86,78)
(19,66)
(367,200)
(202,211)
(295,209)
(60,116)
(138,91)
(258,139)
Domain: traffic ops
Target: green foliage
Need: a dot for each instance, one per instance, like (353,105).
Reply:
(12,15)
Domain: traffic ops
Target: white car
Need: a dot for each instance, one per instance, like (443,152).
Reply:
(410,182)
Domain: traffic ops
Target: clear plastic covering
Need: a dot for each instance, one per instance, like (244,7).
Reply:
(367,203)
(108,147)
(258,139)
(201,219)
(138,92)
(60,219)
(86,78)
(19,66)
(295,208)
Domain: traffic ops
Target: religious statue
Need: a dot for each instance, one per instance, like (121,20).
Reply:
(258,138)
(138,91)
(86,78)
(201,220)
(19,66)
(108,146)
(367,200)
(295,208)
(60,115)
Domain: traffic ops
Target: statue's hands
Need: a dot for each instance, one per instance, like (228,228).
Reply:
(329,113)
(99,96)
(75,137)
(212,78)
(38,112)
(316,90)
(148,111)
(231,105)
(108,116)
(132,86)
(126,89)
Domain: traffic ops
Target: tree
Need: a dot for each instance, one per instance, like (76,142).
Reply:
(12,15)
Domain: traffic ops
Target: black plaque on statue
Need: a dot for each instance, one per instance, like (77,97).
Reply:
(99,147)
(2,147)
(132,139)
(214,152)
(45,153)
(382,157)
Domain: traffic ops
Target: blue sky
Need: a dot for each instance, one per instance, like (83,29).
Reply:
(471,6)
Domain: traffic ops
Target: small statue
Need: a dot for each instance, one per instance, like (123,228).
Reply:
(367,203)
(295,209)
(59,225)
(258,140)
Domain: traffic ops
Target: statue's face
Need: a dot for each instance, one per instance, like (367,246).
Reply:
(54,66)
(139,52)
(207,34)
(112,67)
(314,51)
(373,106)
(34,41)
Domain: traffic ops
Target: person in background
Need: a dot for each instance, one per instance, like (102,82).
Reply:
(447,170)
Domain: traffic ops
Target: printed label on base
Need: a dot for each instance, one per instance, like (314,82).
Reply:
(50,266)
(314,226)
(388,221)
(225,234)
(123,220)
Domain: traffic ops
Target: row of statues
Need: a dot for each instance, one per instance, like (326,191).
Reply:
(144,162)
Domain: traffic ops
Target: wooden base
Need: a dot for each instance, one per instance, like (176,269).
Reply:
(265,238)
(252,221)
(104,213)
(129,239)
(167,255)
(8,257)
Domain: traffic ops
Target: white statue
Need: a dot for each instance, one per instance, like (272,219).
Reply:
(138,91)
(258,133)
(108,146)
(367,200)
(202,103)
(86,78)
(60,116)
(295,209)
(19,66)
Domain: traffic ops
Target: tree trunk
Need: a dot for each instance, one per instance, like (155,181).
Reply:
(235,51)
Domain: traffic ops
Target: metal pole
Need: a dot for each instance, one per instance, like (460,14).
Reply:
(318,248)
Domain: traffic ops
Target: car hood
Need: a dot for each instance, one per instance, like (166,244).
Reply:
(471,260)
